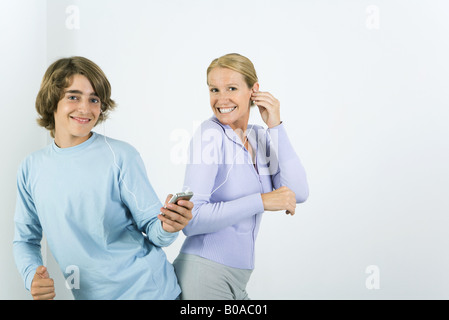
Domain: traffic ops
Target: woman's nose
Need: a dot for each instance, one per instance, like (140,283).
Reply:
(223,97)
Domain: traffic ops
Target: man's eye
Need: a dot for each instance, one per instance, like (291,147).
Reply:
(72,97)
(232,88)
(214,90)
(93,100)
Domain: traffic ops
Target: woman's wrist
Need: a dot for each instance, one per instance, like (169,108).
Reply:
(278,124)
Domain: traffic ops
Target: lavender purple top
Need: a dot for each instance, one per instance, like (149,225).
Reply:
(227,188)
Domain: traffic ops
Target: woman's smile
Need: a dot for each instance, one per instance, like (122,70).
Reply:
(226,110)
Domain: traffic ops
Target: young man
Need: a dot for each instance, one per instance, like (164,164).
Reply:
(91,197)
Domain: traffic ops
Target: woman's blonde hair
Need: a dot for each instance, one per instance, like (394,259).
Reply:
(239,63)
(59,77)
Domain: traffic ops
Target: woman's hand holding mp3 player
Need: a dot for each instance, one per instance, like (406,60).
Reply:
(177,212)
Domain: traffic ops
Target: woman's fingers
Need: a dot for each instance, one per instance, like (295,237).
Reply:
(265,99)
(269,107)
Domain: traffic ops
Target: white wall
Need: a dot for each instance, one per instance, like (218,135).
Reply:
(363,91)
(22,65)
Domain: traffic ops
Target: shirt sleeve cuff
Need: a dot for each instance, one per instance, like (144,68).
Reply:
(29,278)
(279,127)
(160,237)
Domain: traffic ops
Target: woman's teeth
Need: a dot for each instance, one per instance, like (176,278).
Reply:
(226,110)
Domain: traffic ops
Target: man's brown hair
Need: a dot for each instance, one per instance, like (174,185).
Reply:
(59,77)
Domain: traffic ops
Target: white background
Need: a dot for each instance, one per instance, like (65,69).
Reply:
(363,87)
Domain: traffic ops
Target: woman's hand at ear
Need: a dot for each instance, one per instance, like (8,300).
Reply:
(269,107)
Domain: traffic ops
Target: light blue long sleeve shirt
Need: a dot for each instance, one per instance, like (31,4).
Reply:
(227,185)
(98,211)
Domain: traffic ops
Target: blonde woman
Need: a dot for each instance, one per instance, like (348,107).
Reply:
(237,171)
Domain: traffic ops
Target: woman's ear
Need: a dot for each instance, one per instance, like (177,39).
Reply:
(255,87)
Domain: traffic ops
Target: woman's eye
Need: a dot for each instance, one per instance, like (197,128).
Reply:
(72,97)
(213,90)
(232,88)
(93,100)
